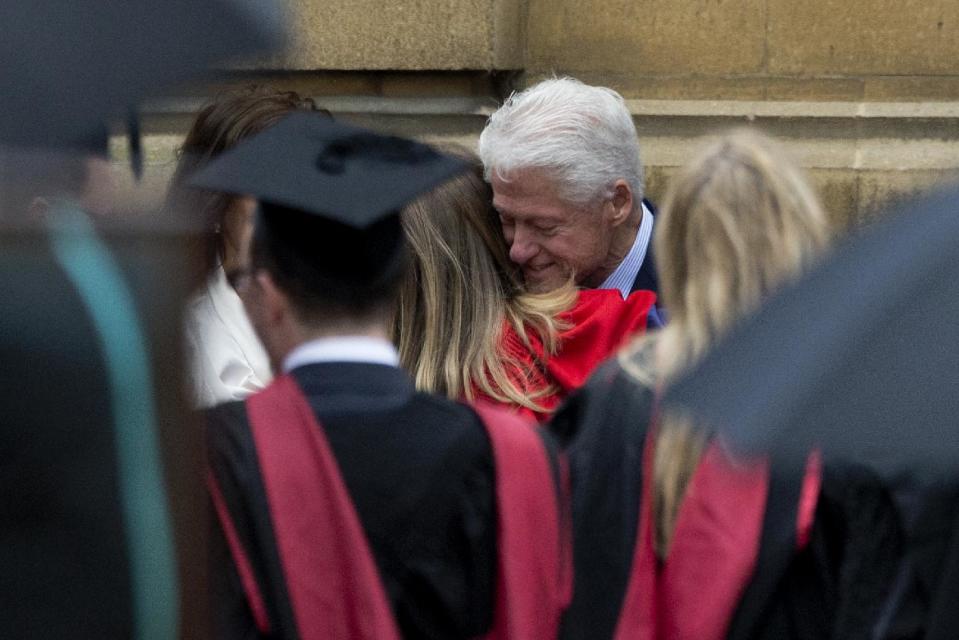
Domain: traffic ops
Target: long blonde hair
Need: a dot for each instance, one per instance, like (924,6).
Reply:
(737,223)
(460,287)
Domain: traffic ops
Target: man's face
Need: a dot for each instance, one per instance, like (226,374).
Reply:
(549,238)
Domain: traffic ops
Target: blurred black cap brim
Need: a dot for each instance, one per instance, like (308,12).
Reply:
(858,357)
(69,66)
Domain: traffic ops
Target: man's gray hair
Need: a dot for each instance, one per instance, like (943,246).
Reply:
(581,136)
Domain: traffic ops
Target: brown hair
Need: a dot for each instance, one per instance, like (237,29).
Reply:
(460,287)
(218,127)
(738,222)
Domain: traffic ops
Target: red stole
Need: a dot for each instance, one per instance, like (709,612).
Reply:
(712,556)
(331,575)
(535,581)
(599,323)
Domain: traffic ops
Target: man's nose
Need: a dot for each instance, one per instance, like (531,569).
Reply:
(522,249)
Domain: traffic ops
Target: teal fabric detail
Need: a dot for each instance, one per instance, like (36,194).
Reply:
(100,284)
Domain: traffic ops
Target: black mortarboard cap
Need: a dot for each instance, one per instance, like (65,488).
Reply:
(69,66)
(338,172)
(330,191)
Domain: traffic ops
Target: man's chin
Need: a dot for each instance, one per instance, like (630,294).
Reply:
(542,284)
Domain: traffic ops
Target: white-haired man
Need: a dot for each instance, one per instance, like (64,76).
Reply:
(563,160)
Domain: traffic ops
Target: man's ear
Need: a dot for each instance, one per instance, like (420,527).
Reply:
(275,303)
(621,203)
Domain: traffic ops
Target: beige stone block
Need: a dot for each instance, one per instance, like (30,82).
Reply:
(815,37)
(669,87)
(923,154)
(646,36)
(159,162)
(761,87)
(330,84)
(433,85)
(657,182)
(318,83)
(838,191)
(911,88)
(813,89)
(508,37)
(158,149)
(883,191)
(851,198)
(404,34)
(359,83)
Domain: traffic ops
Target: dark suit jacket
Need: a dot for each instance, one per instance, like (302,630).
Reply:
(647,278)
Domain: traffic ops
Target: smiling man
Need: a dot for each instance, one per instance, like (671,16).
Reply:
(563,160)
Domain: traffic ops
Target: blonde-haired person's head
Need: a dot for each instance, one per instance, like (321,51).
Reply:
(738,222)
(460,288)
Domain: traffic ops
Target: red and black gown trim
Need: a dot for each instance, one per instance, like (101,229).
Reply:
(598,324)
(435,552)
(825,581)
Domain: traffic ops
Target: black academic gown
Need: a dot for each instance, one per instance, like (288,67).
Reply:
(922,605)
(419,471)
(833,588)
(65,570)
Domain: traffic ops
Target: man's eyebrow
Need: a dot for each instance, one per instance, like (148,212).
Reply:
(546,218)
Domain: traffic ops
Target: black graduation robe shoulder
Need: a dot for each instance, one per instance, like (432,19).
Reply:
(833,587)
(419,472)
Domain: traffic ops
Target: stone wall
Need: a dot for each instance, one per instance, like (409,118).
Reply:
(406,35)
(753,49)
(864,93)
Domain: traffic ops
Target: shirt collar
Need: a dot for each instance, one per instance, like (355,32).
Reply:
(363,349)
(625,274)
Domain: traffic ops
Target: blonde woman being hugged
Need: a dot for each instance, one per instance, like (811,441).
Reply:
(674,538)
(465,327)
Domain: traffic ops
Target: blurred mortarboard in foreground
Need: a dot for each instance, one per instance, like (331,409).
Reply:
(69,66)
(858,357)
(87,532)
(332,191)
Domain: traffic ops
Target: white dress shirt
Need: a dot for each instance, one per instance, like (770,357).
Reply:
(227,360)
(625,274)
(363,349)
